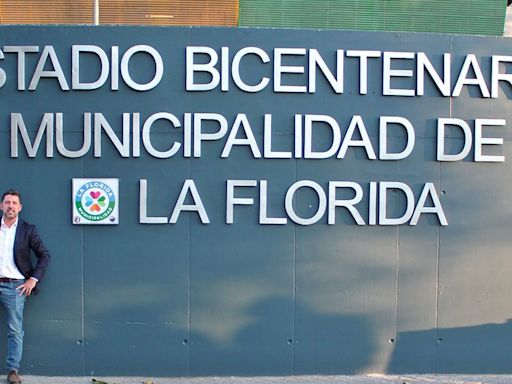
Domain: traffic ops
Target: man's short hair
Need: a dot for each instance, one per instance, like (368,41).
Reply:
(11,192)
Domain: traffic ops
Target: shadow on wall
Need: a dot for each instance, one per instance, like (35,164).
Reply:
(481,349)
(327,344)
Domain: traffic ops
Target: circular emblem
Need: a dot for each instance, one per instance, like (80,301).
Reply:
(94,201)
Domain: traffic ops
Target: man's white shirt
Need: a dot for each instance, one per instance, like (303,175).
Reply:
(7,266)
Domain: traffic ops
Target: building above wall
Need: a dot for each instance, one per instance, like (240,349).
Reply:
(508,22)
(478,17)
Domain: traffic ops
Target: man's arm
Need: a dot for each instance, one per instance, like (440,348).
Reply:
(41,252)
(43,259)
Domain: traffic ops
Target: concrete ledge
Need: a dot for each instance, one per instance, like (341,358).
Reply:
(361,379)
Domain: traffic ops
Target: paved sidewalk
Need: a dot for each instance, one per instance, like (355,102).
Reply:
(363,379)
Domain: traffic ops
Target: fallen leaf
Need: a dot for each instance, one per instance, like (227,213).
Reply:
(100,382)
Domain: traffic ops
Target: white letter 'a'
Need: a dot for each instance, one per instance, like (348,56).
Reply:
(429,189)
(198,206)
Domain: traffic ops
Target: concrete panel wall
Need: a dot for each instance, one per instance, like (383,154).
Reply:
(247,298)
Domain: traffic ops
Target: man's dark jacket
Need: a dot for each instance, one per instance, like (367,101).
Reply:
(28,239)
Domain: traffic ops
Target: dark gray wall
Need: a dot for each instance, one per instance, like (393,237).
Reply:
(251,299)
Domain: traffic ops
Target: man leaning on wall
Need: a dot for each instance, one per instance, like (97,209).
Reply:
(19,278)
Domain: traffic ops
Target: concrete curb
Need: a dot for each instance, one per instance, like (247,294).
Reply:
(360,379)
